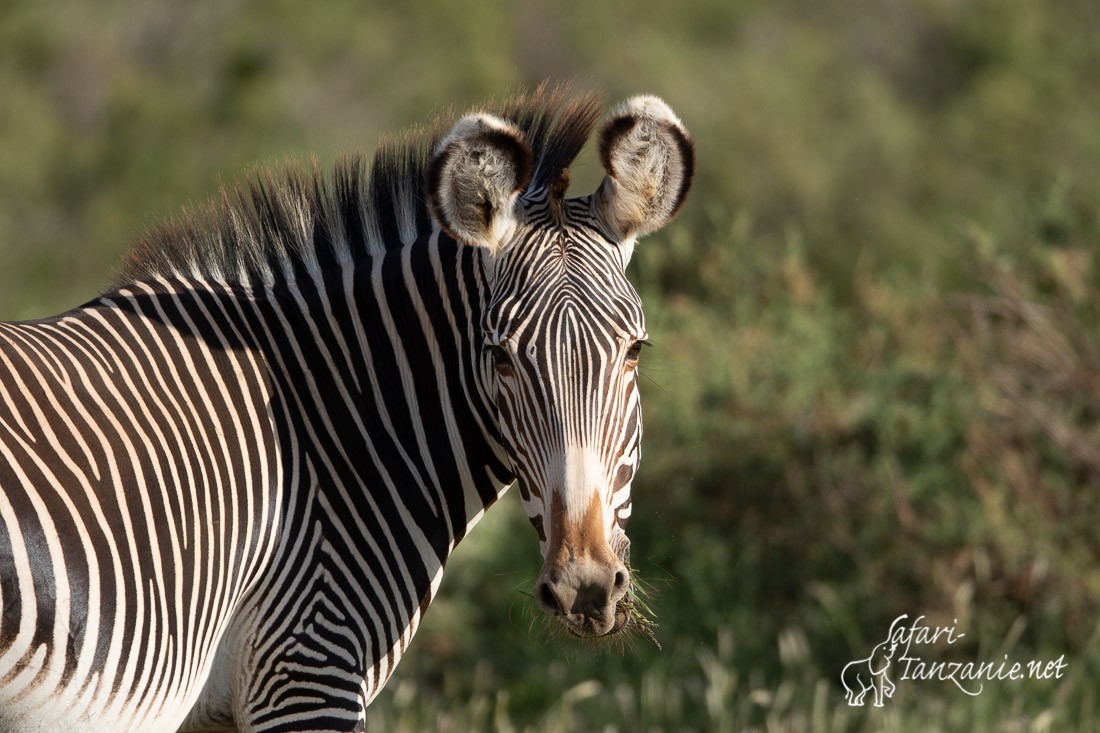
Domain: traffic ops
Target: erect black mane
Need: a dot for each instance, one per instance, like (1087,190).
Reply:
(277,224)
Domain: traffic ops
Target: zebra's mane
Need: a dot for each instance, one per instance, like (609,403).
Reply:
(279,224)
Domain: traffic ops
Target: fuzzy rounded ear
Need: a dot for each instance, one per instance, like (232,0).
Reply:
(649,158)
(475,175)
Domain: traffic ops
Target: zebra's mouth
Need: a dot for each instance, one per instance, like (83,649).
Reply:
(632,620)
(588,628)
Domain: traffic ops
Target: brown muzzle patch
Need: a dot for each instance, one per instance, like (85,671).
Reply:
(582,579)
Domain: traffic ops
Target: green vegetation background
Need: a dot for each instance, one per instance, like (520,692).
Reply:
(876,387)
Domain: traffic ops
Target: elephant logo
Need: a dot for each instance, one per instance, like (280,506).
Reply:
(869,675)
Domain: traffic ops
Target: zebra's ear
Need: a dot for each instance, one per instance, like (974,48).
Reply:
(649,158)
(475,175)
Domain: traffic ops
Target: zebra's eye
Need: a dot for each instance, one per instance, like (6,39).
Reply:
(633,352)
(501,362)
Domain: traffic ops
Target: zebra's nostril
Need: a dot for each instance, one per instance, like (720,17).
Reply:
(621,579)
(546,598)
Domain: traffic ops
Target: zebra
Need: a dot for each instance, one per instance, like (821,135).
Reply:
(229,484)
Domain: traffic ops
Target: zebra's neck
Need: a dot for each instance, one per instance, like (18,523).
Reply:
(378,379)
(383,379)
(380,359)
(379,371)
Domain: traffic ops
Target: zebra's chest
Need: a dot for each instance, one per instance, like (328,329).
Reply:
(213,709)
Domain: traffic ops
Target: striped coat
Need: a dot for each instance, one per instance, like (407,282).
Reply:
(229,485)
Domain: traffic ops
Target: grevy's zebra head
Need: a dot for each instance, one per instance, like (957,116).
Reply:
(564,328)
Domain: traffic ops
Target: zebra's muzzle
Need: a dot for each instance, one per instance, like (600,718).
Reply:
(585,593)
(586,630)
